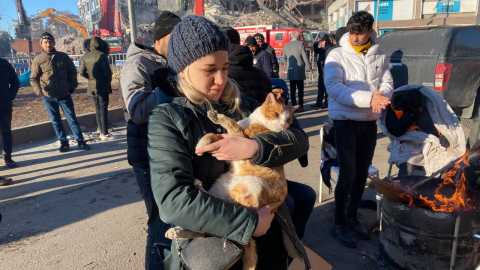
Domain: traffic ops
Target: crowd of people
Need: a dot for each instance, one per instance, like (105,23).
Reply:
(168,90)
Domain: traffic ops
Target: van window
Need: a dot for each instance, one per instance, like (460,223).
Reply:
(468,43)
(279,36)
(307,36)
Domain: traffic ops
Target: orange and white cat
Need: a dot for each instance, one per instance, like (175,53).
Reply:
(246,184)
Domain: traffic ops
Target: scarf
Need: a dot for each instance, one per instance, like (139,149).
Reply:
(363,48)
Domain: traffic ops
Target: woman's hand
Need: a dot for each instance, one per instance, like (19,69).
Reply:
(231,147)
(265,217)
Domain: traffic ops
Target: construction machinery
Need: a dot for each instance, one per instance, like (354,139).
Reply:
(61,17)
(22,27)
(110,25)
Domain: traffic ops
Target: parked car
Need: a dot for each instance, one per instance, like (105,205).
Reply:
(444,58)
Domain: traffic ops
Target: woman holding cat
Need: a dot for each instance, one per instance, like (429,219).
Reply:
(200,63)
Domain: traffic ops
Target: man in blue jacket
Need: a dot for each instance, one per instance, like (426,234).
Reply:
(261,59)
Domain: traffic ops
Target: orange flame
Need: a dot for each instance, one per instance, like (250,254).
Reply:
(459,201)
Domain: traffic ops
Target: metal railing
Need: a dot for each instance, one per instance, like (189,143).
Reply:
(311,77)
(20,64)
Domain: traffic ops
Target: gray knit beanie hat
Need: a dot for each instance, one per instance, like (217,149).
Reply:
(192,39)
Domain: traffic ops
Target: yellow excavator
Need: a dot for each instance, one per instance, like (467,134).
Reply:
(61,17)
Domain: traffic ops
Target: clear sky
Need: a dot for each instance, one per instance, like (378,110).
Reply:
(8,12)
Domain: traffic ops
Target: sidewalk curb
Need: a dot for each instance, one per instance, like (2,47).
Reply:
(44,130)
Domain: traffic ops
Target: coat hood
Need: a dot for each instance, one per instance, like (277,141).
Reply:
(240,55)
(99,44)
(137,49)
(346,47)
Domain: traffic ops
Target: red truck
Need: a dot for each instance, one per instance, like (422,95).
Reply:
(277,38)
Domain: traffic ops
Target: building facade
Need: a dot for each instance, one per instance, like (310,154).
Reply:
(394,14)
(89,11)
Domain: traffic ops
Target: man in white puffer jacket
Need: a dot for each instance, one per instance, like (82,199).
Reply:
(359,85)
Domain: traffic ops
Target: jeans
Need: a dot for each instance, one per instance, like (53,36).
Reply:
(101,112)
(300,201)
(142,175)
(6,131)
(355,142)
(322,91)
(53,109)
(293,89)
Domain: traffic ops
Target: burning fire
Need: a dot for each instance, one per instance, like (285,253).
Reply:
(459,201)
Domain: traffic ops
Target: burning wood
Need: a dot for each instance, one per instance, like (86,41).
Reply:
(453,194)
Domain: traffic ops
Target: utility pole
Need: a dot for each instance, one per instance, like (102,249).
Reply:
(131,19)
(477,21)
(376,21)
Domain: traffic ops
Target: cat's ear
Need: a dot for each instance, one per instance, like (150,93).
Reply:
(270,99)
(293,108)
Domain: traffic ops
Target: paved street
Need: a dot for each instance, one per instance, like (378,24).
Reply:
(83,210)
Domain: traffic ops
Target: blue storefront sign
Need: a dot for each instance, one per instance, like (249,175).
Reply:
(20,65)
(119,62)
(385,10)
(76,63)
(448,7)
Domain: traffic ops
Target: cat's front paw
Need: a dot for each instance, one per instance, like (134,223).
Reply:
(199,185)
(170,234)
(213,115)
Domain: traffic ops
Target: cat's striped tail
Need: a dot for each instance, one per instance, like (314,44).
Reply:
(250,256)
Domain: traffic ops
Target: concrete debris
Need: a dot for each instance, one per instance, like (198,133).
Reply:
(216,11)
(65,44)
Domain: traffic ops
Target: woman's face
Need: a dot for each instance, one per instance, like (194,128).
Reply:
(208,75)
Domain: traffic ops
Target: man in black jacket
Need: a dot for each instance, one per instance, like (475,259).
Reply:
(260,39)
(261,59)
(9,85)
(320,50)
(249,79)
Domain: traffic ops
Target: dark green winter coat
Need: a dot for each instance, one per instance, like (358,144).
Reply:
(9,85)
(53,74)
(96,68)
(173,132)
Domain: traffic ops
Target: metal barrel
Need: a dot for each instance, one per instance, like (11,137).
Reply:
(417,238)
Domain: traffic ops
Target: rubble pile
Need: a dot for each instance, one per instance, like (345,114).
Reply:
(215,11)
(65,44)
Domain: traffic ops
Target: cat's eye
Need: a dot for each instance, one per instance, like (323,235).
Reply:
(277,115)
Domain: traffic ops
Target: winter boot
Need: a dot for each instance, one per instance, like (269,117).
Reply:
(64,147)
(83,145)
(7,161)
(343,236)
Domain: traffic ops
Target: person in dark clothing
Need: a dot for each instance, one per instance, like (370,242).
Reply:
(9,85)
(301,198)
(261,59)
(338,35)
(96,68)
(408,111)
(86,45)
(137,89)
(250,80)
(320,49)
(260,39)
